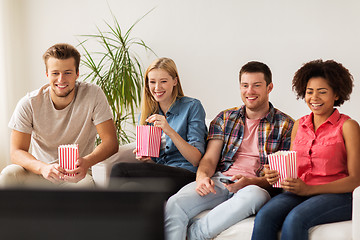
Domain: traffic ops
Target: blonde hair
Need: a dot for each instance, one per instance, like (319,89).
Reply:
(149,105)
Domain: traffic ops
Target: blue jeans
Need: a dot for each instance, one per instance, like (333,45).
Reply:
(227,209)
(295,215)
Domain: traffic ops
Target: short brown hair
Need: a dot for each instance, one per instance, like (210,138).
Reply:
(337,76)
(257,67)
(62,51)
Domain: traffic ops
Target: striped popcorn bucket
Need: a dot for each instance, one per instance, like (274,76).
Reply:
(68,154)
(285,163)
(148,140)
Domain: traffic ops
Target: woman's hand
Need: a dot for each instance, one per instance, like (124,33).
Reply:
(272,176)
(143,158)
(161,122)
(297,186)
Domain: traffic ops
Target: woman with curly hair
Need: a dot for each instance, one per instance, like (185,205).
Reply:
(327,144)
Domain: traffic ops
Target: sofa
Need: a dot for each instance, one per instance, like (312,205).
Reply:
(243,229)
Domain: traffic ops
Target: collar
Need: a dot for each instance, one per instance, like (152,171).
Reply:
(270,116)
(174,108)
(334,117)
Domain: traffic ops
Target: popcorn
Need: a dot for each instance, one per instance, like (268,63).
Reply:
(285,163)
(68,154)
(148,140)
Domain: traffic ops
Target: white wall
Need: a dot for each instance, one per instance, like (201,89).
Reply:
(208,39)
(4,133)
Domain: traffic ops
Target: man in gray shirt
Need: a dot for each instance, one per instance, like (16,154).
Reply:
(64,111)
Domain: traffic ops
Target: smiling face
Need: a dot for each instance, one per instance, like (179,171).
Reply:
(62,76)
(161,86)
(320,97)
(254,92)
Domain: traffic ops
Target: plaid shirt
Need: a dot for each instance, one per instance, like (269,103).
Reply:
(274,134)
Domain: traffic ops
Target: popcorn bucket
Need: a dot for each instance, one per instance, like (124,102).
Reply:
(68,154)
(285,163)
(148,140)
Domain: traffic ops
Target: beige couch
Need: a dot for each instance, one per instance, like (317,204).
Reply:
(243,229)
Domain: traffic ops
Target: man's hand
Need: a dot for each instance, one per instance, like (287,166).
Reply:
(205,186)
(239,184)
(80,171)
(53,172)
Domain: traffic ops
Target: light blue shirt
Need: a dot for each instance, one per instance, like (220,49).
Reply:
(187,117)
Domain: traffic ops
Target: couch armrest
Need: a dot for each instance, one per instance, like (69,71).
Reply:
(356,214)
(101,171)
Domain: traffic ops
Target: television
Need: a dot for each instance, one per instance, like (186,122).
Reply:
(133,210)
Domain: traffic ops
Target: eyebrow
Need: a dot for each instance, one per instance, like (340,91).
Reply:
(252,83)
(317,88)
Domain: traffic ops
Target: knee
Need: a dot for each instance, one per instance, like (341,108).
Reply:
(10,174)
(177,204)
(119,170)
(256,195)
(172,204)
(293,220)
(12,170)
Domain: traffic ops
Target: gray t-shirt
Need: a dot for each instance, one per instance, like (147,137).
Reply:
(35,114)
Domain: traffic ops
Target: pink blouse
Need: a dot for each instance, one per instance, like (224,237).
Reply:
(321,155)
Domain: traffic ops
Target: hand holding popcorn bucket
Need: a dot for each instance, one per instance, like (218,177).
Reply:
(285,163)
(148,140)
(68,154)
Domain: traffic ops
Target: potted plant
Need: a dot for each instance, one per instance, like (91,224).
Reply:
(117,70)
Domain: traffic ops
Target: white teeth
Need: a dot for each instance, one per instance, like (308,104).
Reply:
(316,104)
(61,86)
(251,98)
(159,93)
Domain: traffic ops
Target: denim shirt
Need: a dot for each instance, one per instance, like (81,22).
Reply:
(187,117)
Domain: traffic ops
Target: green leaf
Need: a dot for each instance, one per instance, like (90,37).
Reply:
(117,69)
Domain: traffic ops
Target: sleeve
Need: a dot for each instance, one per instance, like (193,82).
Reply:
(216,129)
(197,131)
(102,111)
(22,117)
(286,135)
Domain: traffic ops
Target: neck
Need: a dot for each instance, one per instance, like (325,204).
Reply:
(320,119)
(61,102)
(258,113)
(165,106)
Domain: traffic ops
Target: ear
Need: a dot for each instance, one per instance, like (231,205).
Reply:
(47,74)
(270,88)
(175,81)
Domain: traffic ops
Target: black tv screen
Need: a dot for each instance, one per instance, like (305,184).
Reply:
(82,213)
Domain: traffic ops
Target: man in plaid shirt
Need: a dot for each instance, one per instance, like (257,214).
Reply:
(239,141)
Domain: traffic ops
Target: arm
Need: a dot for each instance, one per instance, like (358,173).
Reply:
(189,152)
(245,181)
(19,153)
(351,134)
(207,167)
(108,146)
(272,176)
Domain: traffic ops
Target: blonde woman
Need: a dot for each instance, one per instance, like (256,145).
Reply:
(182,120)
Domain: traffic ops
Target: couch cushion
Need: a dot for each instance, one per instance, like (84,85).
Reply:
(243,230)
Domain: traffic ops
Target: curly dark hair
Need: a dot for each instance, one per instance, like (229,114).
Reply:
(337,76)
